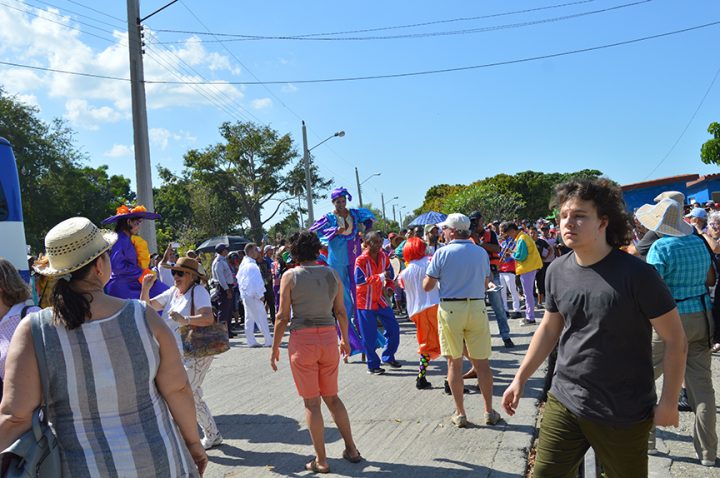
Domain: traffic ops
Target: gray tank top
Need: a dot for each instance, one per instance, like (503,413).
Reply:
(313,294)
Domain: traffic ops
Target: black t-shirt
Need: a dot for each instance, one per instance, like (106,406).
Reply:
(604,367)
(541,245)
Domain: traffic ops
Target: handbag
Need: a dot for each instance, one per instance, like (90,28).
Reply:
(205,341)
(715,307)
(36,453)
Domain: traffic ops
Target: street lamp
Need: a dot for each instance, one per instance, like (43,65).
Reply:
(401,215)
(306,160)
(359,184)
(382,198)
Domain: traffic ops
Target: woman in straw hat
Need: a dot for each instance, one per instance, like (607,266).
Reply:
(118,398)
(130,256)
(188,303)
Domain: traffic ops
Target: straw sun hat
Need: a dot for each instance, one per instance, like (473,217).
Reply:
(187,264)
(665,217)
(72,244)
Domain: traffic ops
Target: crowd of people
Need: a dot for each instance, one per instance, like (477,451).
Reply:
(624,300)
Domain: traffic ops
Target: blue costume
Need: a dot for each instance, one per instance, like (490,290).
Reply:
(343,250)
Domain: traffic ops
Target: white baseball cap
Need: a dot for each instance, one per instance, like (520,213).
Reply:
(457,221)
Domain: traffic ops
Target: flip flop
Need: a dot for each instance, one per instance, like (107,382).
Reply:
(315,468)
(352,459)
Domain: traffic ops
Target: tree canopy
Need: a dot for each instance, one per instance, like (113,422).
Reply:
(710,150)
(55,181)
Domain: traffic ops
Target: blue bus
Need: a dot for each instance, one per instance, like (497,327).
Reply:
(12,230)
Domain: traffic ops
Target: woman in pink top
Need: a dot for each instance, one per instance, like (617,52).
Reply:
(14,293)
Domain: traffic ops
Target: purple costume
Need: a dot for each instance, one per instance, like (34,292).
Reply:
(342,252)
(126,271)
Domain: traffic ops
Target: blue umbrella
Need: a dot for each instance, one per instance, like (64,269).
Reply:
(431,217)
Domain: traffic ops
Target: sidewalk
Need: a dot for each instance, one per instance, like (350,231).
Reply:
(399,430)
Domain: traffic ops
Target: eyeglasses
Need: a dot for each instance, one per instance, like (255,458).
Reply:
(177,273)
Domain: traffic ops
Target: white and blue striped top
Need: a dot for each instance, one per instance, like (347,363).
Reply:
(103,404)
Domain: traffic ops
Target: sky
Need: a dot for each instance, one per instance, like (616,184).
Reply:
(635,111)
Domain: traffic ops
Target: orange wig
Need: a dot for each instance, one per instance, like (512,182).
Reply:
(414,249)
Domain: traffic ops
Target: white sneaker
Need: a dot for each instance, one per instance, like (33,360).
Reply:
(209,442)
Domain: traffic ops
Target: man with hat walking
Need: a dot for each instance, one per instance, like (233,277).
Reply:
(222,273)
(462,270)
(682,259)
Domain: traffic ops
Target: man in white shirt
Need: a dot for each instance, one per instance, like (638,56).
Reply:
(252,291)
(222,273)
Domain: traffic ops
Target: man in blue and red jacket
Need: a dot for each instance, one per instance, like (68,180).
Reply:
(374,283)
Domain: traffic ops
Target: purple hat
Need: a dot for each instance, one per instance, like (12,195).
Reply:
(340,192)
(124,212)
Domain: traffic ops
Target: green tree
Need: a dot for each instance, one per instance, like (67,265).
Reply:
(710,150)
(435,196)
(55,182)
(488,198)
(254,172)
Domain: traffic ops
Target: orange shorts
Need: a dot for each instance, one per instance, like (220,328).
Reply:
(426,322)
(314,361)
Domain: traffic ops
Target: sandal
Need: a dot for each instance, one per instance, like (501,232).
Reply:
(315,468)
(352,459)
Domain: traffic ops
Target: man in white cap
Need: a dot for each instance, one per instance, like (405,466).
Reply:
(683,260)
(462,270)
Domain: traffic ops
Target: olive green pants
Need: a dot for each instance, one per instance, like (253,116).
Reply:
(565,438)
(698,381)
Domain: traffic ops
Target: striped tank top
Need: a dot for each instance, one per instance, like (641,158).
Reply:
(108,415)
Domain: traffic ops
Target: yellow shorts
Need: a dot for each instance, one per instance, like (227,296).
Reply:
(464,321)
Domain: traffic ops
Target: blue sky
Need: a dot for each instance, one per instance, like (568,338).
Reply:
(619,109)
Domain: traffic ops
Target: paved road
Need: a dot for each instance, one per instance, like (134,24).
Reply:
(399,430)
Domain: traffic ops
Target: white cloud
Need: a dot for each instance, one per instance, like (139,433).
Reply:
(289,88)
(261,103)
(161,137)
(80,113)
(32,39)
(119,151)
(30,100)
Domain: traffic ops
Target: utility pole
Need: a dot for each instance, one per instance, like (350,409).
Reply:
(302,225)
(143,170)
(308,181)
(357,179)
(394,218)
(382,198)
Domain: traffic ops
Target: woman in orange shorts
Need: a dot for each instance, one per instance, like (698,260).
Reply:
(314,292)
(421,306)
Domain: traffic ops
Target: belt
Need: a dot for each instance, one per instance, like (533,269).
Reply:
(457,300)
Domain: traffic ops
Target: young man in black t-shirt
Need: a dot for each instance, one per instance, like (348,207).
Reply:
(601,306)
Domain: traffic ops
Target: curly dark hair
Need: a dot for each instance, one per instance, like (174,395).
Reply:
(304,246)
(608,200)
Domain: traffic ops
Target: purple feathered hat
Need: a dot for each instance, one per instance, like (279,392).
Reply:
(125,212)
(340,192)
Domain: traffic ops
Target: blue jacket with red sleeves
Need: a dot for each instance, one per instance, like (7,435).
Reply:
(370,281)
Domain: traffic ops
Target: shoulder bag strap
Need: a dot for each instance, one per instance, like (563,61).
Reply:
(192,300)
(37,336)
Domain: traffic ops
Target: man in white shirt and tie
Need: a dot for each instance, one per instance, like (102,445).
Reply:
(252,291)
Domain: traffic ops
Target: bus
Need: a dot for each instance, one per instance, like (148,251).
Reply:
(12,230)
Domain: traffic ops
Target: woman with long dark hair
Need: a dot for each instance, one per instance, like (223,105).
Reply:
(118,399)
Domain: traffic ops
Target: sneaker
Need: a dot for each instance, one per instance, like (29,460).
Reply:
(516,315)
(715,348)
(421,383)
(683,404)
(459,421)
(376,371)
(653,451)
(508,343)
(526,322)
(209,442)
(492,418)
(705,462)
(393,364)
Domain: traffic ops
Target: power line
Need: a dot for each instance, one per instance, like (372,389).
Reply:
(393,75)
(687,126)
(316,37)
(113,25)
(435,22)
(97,11)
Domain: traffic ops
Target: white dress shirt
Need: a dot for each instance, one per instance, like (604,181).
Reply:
(222,272)
(249,279)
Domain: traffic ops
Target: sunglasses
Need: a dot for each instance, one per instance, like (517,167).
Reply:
(177,273)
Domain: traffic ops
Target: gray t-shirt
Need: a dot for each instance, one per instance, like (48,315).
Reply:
(312,297)
(604,368)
